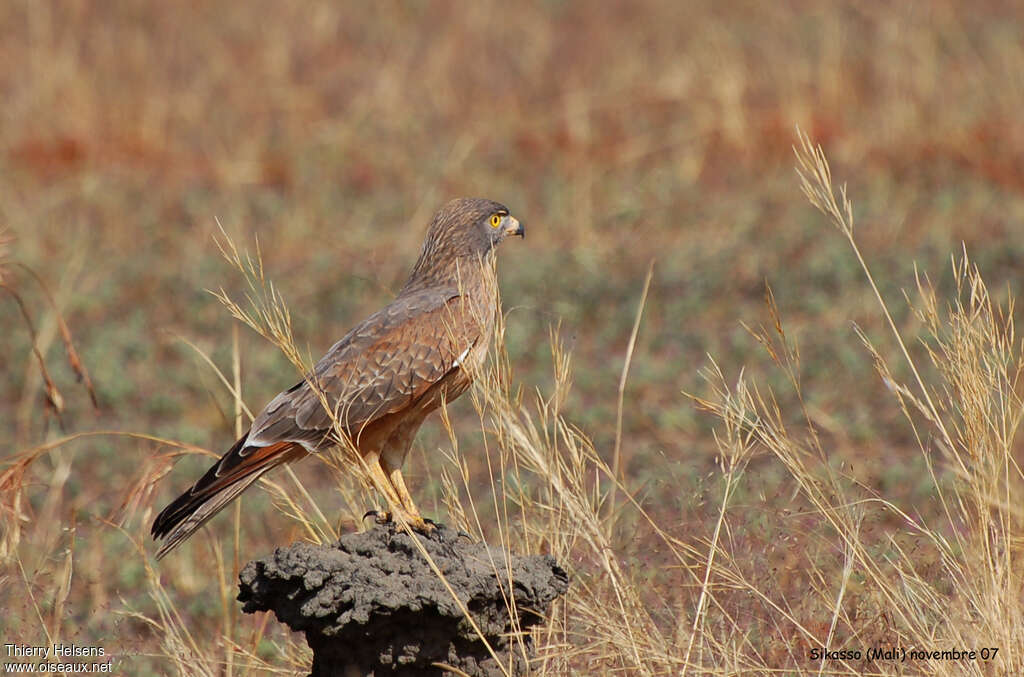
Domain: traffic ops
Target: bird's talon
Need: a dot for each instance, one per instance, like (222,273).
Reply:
(380,517)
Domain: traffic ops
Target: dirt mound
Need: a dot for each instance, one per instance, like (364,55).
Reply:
(371,604)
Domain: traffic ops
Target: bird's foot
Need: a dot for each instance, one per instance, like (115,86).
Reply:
(380,517)
(417,523)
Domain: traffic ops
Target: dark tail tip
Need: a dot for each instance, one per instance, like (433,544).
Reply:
(174,514)
(181,508)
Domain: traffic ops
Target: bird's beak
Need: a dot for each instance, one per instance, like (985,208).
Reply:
(513,227)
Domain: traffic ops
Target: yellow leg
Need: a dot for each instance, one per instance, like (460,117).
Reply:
(380,480)
(412,513)
(395,475)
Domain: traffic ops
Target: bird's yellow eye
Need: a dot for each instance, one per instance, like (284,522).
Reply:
(495,220)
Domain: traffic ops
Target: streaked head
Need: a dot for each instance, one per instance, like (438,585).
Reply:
(473,223)
(464,229)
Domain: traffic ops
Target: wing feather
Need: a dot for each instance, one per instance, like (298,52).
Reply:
(378,368)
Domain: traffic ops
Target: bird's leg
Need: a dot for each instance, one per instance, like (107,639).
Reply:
(412,513)
(395,476)
(381,482)
(379,473)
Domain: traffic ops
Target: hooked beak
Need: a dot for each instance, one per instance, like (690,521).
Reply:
(513,227)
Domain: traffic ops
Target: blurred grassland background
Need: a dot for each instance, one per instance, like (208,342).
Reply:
(619,132)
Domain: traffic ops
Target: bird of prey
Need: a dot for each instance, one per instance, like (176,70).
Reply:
(381,380)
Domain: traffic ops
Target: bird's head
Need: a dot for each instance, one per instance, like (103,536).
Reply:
(464,229)
(473,225)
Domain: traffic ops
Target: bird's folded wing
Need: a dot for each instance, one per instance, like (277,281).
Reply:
(379,368)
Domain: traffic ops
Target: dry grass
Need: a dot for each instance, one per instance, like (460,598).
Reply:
(947,583)
(853,489)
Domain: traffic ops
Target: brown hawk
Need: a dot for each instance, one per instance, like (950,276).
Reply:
(381,380)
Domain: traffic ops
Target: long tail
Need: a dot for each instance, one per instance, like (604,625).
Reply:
(230,476)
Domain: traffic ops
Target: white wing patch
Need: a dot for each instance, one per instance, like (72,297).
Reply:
(458,361)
